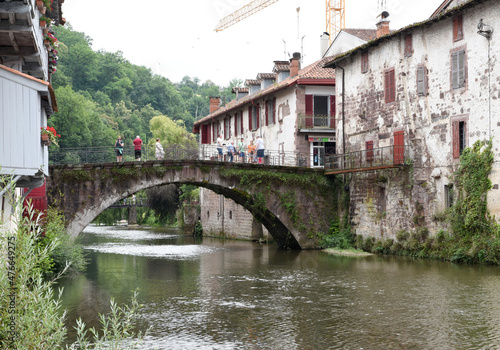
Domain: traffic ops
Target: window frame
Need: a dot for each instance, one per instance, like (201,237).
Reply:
(459,135)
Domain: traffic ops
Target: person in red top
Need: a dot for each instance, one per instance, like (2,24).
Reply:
(137,147)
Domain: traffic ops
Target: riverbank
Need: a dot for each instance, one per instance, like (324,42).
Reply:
(346,252)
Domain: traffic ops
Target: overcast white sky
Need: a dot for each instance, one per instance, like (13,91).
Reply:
(176,37)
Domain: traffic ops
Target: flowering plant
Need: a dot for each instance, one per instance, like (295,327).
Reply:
(53,135)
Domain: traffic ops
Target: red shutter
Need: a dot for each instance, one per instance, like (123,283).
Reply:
(455,139)
(458,28)
(408,45)
(274,110)
(204,135)
(250,118)
(369,151)
(399,147)
(309,110)
(257,108)
(332,111)
(225,129)
(267,113)
(389,86)
(241,119)
(236,124)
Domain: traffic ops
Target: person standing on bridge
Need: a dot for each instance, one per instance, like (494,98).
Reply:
(137,146)
(219,147)
(251,152)
(260,149)
(119,149)
(241,150)
(231,151)
(159,152)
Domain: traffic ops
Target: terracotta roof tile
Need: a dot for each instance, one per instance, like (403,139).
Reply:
(249,82)
(312,71)
(239,89)
(266,76)
(363,34)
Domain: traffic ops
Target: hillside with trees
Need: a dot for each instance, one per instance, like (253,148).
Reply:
(101,95)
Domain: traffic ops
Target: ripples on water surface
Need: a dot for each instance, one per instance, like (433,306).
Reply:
(239,295)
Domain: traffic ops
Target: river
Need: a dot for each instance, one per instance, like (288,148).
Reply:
(224,294)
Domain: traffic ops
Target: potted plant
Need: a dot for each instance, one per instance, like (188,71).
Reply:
(49,135)
(44,21)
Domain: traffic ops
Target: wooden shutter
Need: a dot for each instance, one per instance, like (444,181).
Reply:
(458,32)
(236,124)
(332,111)
(408,45)
(421,83)
(257,110)
(389,85)
(455,139)
(241,119)
(461,68)
(309,110)
(364,62)
(250,118)
(399,147)
(369,151)
(274,110)
(267,112)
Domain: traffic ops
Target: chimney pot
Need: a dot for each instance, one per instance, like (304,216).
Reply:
(383,24)
(214,103)
(295,64)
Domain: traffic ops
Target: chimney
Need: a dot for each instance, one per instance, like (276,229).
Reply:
(324,41)
(295,64)
(383,25)
(214,103)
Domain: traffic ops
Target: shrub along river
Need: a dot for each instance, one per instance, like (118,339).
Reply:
(224,294)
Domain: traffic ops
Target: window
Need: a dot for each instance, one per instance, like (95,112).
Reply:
(389,86)
(270,111)
(458,69)
(253,117)
(459,137)
(318,154)
(241,122)
(421,81)
(214,132)
(458,28)
(448,195)
(408,45)
(321,109)
(364,62)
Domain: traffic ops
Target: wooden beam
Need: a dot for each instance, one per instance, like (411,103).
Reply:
(13,41)
(6,27)
(15,7)
(345,171)
(23,51)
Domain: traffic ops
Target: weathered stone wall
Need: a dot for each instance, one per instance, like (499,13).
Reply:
(414,195)
(222,217)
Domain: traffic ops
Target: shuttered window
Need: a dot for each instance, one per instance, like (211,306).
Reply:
(332,111)
(421,81)
(408,45)
(250,126)
(205,134)
(364,62)
(236,118)
(389,85)
(369,151)
(458,28)
(241,122)
(458,69)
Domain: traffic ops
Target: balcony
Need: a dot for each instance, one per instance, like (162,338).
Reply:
(311,123)
(367,160)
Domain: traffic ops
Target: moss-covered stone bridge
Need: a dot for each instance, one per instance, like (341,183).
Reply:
(295,204)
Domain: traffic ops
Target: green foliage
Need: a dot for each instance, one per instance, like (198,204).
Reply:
(30,313)
(67,252)
(339,236)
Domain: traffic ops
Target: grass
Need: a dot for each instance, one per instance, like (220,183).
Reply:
(346,252)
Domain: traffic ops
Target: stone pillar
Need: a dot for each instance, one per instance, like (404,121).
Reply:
(132,215)
(257,233)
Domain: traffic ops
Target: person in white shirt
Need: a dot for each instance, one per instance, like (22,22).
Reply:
(159,152)
(260,149)
(219,147)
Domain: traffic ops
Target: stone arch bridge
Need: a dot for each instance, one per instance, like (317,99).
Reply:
(295,204)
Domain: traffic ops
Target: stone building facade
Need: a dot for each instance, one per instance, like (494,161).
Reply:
(433,87)
(293,110)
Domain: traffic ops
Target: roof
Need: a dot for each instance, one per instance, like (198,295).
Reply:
(441,16)
(239,89)
(252,82)
(314,73)
(281,66)
(442,7)
(266,76)
(363,34)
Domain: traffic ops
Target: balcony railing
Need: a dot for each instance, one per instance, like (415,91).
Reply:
(370,159)
(316,122)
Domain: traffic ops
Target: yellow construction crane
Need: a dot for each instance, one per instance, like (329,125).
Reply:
(335,15)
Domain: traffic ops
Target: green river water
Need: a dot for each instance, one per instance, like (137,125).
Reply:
(215,294)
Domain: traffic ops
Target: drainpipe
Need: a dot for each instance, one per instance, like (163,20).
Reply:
(343,114)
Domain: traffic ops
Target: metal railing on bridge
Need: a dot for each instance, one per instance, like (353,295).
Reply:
(174,152)
(369,159)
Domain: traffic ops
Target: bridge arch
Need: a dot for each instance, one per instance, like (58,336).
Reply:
(294,204)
